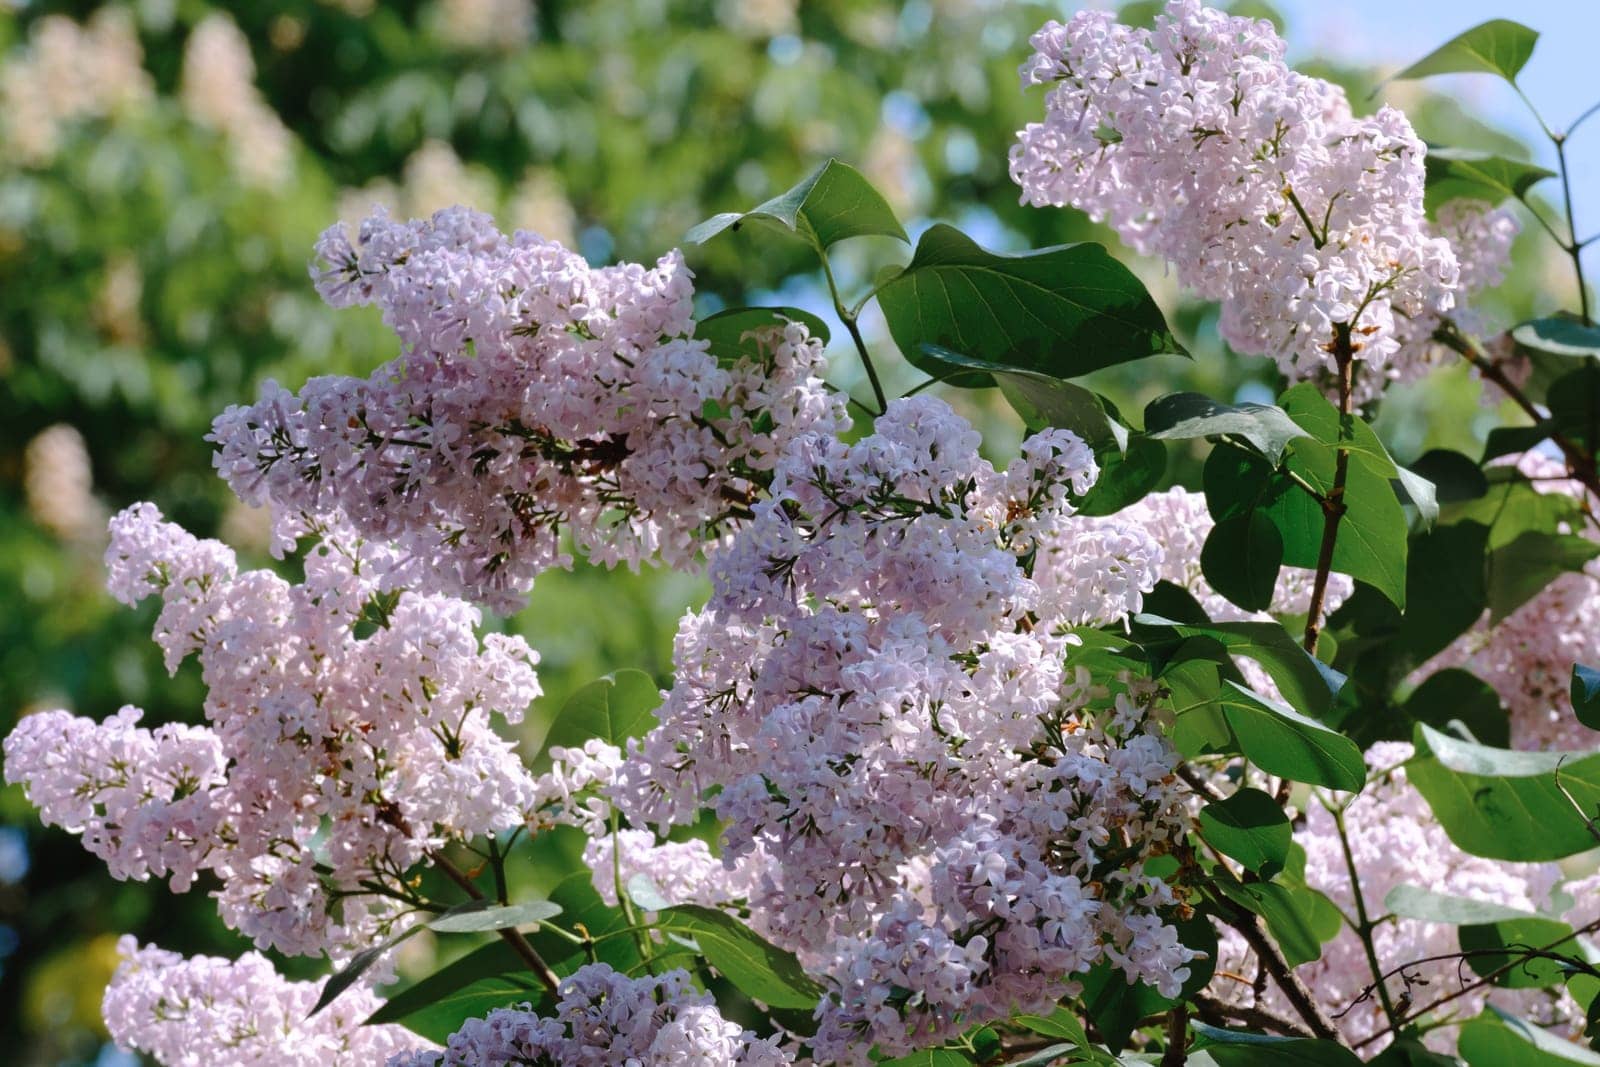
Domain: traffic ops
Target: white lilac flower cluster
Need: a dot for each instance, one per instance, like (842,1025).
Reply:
(1196,142)
(1528,656)
(1481,236)
(954,822)
(1390,818)
(203,1011)
(604,1019)
(534,396)
(332,760)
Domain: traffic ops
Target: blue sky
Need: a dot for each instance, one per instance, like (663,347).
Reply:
(1562,78)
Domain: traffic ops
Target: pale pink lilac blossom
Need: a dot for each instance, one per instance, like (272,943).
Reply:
(202,1011)
(535,397)
(871,688)
(328,759)
(606,1019)
(1196,142)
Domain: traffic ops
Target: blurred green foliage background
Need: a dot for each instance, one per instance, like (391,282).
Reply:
(165,166)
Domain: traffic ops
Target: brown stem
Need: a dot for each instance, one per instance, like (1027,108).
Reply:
(1176,1054)
(512,936)
(1295,990)
(1333,507)
(1579,461)
(1221,1013)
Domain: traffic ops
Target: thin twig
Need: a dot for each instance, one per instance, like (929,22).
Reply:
(1221,1013)
(1333,506)
(1299,997)
(511,935)
(1176,1054)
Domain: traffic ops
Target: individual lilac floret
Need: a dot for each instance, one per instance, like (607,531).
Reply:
(331,757)
(606,1019)
(917,788)
(203,1012)
(534,396)
(1197,143)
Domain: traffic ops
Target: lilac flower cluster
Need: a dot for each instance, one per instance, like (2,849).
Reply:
(331,762)
(203,1011)
(534,396)
(1197,143)
(954,823)
(604,1019)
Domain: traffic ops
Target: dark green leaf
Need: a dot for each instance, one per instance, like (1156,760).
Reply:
(930,1057)
(1586,695)
(493,916)
(474,985)
(1125,476)
(614,708)
(1303,680)
(1445,587)
(1498,46)
(1235,1048)
(1519,570)
(1510,440)
(1060,311)
(1115,1006)
(1300,919)
(1040,399)
(834,202)
(1507,940)
(1457,174)
(1504,804)
(1241,558)
(760,969)
(1455,477)
(1495,1039)
(728,330)
(1559,335)
(1455,695)
(1574,403)
(1250,827)
(1281,741)
(1182,416)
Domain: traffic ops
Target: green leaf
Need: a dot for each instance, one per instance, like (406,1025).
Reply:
(1236,1048)
(1300,919)
(492,916)
(1507,942)
(834,202)
(1455,695)
(1414,902)
(1498,46)
(1059,1023)
(1304,681)
(1503,804)
(760,969)
(1241,558)
(614,708)
(1446,588)
(930,1057)
(1062,311)
(1519,570)
(1281,741)
(728,330)
(1457,174)
(1040,399)
(1455,477)
(1495,1039)
(1183,416)
(1559,335)
(1126,476)
(1586,695)
(470,988)
(1116,1005)
(1250,827)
